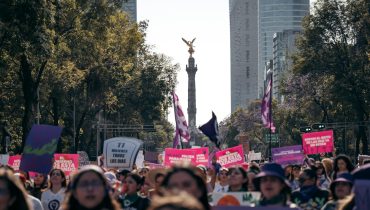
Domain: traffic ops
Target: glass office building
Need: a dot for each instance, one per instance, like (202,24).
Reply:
(276,16)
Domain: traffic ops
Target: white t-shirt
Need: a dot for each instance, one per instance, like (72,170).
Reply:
(220,189)
(36,203)
(52,201)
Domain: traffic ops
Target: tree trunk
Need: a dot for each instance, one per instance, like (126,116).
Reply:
(29,96)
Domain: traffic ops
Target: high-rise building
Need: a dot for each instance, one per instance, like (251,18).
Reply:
(130,6)
(276,16)
(244,47)
(283,48)
(253,24)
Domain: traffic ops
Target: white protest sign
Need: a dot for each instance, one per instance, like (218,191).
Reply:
(4,159)
(254,156)
(121,152)
(83,159)
(234,198)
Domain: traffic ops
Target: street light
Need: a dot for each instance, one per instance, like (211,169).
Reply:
(318,126)
(305,129)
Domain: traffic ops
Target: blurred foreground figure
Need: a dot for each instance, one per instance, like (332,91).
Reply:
(12,194)
(180,201)
(89,190)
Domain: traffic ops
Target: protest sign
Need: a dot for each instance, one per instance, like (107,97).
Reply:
(38,152)
(288,155)
(195,156)
(4,158)
(362,192)
(15,161)
(318,142)
(153,165)
(121,152)
(251,208)
(83,159)
(254,156)
(231,156)
(66,162)
(201,156)
(234,198)
(176,156)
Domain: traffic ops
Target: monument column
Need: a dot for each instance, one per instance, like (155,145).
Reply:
(191,69)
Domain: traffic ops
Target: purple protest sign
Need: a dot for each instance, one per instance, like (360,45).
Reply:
(40,147)
(288,155)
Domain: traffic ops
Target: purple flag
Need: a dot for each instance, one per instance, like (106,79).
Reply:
(181,124)
(210,129)
(266,108)
(38,152)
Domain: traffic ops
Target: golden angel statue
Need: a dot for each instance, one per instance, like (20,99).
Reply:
(190,44)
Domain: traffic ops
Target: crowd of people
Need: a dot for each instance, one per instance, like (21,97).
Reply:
(327,185)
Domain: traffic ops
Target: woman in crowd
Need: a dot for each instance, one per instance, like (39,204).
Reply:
(89,189)
(238,180)
(253,170)
(54,194)
(340,189)
(155,178)
(12,194)
(132,200)
(222,184)
(342,164)
(274,187)
(39,185)
(186,179)
(323,181)
(328,165)
(294,177)
(309,195)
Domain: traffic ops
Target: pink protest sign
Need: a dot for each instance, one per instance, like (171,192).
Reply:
(231,156)
(318,142)
(14,162)
(201,156)
(175,156)
(66,162)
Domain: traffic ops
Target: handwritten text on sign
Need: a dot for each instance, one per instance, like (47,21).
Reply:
(231,156)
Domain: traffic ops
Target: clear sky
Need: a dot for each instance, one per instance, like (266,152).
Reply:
(208,22)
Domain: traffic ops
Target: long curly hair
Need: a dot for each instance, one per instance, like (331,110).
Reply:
(18,195)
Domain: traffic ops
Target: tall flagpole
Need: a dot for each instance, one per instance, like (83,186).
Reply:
(270,116)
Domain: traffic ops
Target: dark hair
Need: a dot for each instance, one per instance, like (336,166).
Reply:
(244,173)
(138,179)
(70,202)
(311,172)
(348,162)
(16,190)
(157,176)
(198,179)
(64,183)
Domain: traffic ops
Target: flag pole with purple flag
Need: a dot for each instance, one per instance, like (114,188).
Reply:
(210,129)
(266,109)
(181,124)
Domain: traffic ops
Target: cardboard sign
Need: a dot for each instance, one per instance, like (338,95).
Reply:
(40,147)
(254,156)
(318,142)
(121,152)
(231,156)
(14,162)
(362,192)
(288,155)
(235,198)
(4,158)
(83,159)
(66,162)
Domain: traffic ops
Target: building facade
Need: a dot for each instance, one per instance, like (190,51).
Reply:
(276,16)
(243,49)
(130,6)
(253,24)
(283,48)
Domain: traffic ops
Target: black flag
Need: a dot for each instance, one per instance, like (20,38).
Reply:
(210,129)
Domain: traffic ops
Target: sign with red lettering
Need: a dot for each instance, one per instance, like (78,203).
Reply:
(231,156)
(318,142)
